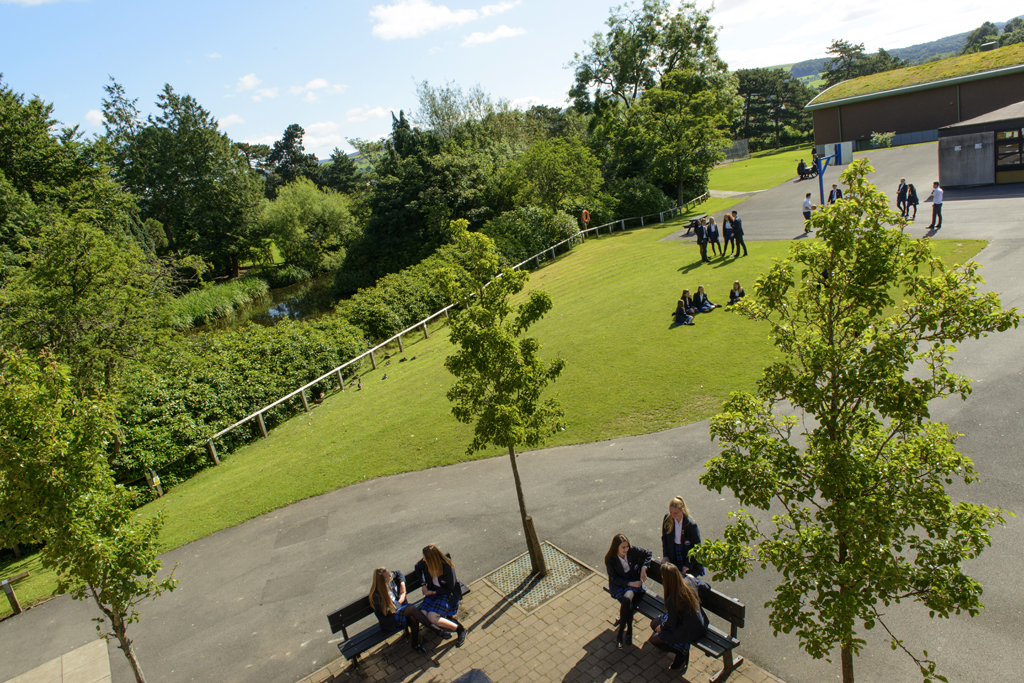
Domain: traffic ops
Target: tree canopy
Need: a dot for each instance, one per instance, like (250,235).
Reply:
(773,112)
(865,320)
(848,60)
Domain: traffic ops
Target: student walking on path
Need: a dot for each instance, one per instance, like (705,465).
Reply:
(808,208)
(936,197)
(912,201)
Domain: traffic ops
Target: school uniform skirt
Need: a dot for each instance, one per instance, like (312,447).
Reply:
(440,604)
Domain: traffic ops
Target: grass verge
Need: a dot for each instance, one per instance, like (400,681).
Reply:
(758,173)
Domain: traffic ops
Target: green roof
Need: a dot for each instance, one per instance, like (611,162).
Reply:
(923,75)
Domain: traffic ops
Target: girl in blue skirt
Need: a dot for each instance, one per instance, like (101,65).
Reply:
(684,620)
(388,600)
(441,591)
(627,571)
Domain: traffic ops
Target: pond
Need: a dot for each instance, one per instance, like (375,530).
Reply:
(302,301)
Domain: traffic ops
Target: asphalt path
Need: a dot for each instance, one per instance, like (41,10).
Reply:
(252,601)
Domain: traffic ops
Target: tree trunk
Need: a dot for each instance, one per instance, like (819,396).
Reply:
(120,629)
(539,566)
(234,265)
(17,551)
(847,658)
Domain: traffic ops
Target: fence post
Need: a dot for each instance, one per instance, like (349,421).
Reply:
(373,360)
(305,404)
(445,313)
(400,347)
(622,223)
(661,217)
(213,452)
(341,380)
(537,259)
(425,335)
(641,221)
(11,597)
(263,425)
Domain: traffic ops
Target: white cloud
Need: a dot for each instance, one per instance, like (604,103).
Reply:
(94,116)
(264,140)
(321,145)
(479,38)
(311,91)
(230,120)
(264,94)
(412,18)
(321,128)
(26,3)
(247,82)
(360,114)
(214,55)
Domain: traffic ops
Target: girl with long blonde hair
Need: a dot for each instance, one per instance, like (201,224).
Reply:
(442,592)
(388,600)
(680,535)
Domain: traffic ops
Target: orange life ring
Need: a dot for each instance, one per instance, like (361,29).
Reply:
(586,216)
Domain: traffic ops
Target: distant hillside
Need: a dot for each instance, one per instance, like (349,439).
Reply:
(809,70)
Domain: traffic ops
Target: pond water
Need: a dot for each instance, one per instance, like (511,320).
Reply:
(302,301)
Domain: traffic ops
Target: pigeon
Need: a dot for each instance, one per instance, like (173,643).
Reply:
(388,363)
(384,377)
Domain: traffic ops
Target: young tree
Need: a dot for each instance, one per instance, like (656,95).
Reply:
(53,447)
(341,174)
(553,173)
(865,320)
(499,375)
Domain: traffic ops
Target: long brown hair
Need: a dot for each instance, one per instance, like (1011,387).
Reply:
(678,589)
(676,503)
(613,551)
(435,560)
(379,592)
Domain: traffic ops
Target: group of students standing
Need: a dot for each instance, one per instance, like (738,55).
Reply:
(439,609)
(684,621)
(707,233)
(689,306)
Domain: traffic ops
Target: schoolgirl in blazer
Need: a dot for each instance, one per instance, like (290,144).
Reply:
(679,526)
(627,570)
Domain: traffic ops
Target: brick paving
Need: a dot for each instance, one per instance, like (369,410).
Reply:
(570,638)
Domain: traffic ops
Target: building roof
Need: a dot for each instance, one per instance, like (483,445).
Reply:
(1014,111)
(976,66)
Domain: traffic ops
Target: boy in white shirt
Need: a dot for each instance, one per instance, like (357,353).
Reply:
(936,197)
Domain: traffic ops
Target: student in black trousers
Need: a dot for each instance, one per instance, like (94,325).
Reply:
(627,570)
(912,201)
(441,592)
(737,233)
(901,197)
(684,620)
(388,600)
(702,240)
(680,535)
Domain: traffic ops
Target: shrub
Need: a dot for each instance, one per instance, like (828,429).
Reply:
(284,276)
(879,140)
(637,197)
(523,232)
(204,382)
(200,306)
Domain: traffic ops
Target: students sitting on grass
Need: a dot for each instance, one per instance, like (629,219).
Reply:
(700,300)
(736,293)
(685,309)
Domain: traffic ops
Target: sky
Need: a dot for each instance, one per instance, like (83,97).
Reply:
(339,68)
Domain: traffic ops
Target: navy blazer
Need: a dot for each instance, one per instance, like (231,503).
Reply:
(690,537)
(447,583)
(701,231)
(684,627)
(901,192)
(700,299)
(638,558)
(387,621)
(737,227)
(687,303)
(735,296)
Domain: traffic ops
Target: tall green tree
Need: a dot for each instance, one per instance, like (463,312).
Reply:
(288,161)
(865,320)
(985,33)
(443,109)
(187,175)
(848,60)
(773,108)
(641,46)
(499,375)
(311,227)
(554,173)
(53,464)
(341,174)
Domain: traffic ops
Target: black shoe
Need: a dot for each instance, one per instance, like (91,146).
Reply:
(461,633)
(443,634)
(682,661)
(419,648)
(618,639)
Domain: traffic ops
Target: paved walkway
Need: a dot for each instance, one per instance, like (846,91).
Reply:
(570,638)
(86,664)
(253,599)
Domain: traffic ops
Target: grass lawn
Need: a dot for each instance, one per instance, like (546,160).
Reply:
(629,372)
(761,172)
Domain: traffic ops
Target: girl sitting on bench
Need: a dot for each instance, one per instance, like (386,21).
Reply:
(684,620)
(388,600)
(627,570)
(700,300)
(441,591)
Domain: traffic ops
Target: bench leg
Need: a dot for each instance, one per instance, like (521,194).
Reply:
(729,665)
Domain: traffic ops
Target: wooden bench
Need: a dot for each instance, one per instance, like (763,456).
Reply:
(354,612)
(715,643)
(692,223)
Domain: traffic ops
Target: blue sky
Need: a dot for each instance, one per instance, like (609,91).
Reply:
(339,68)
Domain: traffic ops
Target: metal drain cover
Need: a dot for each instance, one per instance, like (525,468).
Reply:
(528,593)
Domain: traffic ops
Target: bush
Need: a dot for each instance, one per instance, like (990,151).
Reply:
(284,276)
(637,197)
(879,140)
(200,306)
(205,382)
(528,230)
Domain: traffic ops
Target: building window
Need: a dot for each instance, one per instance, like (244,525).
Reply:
(1009,150)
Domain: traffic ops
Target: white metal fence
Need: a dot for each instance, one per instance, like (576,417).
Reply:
(620,224)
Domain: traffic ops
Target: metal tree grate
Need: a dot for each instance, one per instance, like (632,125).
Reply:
(528,593)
